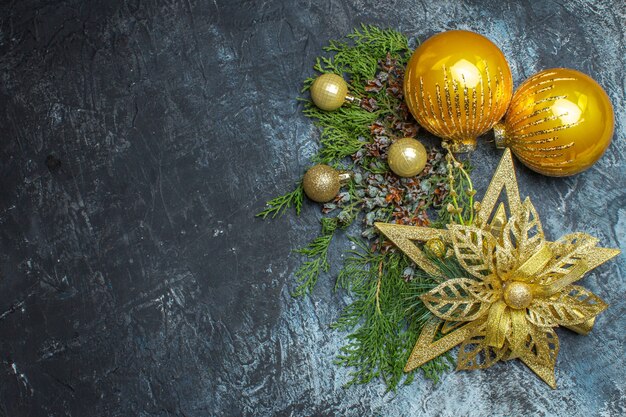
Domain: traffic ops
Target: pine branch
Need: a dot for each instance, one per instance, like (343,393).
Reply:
(385,316)
(345,131)
(277,206)
(317,254)
(384,319)
(463,199)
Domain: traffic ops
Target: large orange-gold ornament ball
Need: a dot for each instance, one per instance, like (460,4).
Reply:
(458,85)
(559,123)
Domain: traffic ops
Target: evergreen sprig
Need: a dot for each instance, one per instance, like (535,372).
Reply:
(385,315)
(277,206)
(317,258)
(384,319)
(345,131)
(462,184)
(359,55)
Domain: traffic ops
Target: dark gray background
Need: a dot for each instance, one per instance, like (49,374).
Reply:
(134,279)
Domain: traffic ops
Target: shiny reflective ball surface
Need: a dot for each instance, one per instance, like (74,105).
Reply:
(407,157)
(457,85)
(329,91)
(560,122)
(436,247)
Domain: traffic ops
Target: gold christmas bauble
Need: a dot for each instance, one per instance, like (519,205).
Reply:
(517,295)
(436,247)
(407,157)
(559,123)
(329,91)
(321,183)
(458,85)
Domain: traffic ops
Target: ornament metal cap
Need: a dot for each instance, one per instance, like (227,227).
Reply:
(463,146)
(353,100)
(499,133)
(345,177)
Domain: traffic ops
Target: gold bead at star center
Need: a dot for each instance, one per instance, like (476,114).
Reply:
(517,295)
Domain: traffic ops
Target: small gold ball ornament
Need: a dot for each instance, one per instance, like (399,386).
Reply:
(321,183)
(407,157)
(330,91)
(517,295)
(436,247)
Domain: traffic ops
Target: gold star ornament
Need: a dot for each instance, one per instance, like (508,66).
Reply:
(517,289)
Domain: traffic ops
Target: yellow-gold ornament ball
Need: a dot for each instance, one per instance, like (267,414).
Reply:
(407,157)
(436,247)
(321,183)
(458,85)
(329,91)
(559,123)
(517,294)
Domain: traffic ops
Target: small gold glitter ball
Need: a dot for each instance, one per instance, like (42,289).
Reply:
(436,247)
(517,295)
(321,183)
(329,91)
(407,157)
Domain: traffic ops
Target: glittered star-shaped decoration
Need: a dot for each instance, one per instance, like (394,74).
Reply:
(518,286)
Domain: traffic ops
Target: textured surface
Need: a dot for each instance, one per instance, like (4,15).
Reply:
(135,279)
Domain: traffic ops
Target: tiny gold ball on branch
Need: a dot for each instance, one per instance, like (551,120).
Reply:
(407,157)
(329,91)
(517,295)
(321,183)
(436,247)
